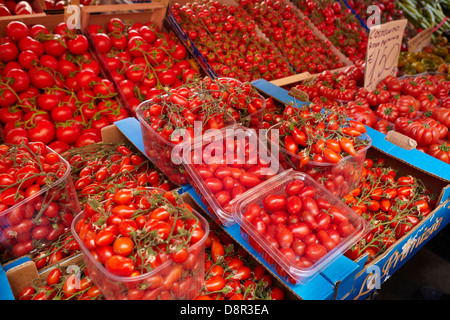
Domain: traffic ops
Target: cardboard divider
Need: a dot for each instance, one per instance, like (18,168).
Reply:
(288,82)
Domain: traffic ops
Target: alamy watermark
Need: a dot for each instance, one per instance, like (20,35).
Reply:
(73,16)
(374,20)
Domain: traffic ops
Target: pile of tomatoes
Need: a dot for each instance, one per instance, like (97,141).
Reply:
(37,197)
(230,273)
(292,36)
(391,203)
(101,168)
(61,285)
(296,227)
(142,59)
(338,24)
(143,243)
(52,88)
(230,41)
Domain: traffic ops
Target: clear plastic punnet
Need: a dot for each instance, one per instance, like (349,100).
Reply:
(167,280)
(43,216)
(296,242)
(225,164)
(339,178)
(158,149)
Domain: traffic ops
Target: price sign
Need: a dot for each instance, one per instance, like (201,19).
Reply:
(421,40)
(383,50)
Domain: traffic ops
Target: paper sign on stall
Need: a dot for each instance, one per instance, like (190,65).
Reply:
(421,40)
(383,50)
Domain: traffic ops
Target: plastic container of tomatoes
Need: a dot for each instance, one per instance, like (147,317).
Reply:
(161,151)
(48,206)
(220,175)
(250,116)
(339,178)
(167,281)
(294,238)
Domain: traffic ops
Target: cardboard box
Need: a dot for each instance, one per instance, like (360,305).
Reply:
(374,274)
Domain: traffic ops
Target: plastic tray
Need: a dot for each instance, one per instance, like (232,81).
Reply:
(290,270)
(223,213)
(61,193)
(115,287)
(339,178)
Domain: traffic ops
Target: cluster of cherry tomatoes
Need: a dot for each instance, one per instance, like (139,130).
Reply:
(52,88)
(325,144)
(37,197)
(142,59)
(292,36)
(103,168)
(61,248)
(230,273)
(221,178)
(392,204)
(60,284)
(338,24)
(296,226)
(143,243)
(416,106)
(230,41)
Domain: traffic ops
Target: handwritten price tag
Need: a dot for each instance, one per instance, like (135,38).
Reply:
(421,40)
(383,50)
